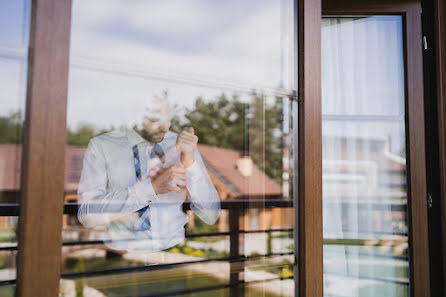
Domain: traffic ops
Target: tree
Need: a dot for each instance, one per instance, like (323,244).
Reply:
(225,122)
(233,124)
(218,123)
(265,142)
(82,135)
(11,128)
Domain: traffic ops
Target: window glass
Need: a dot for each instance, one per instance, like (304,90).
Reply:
(366,248)
(14,41)
(142,74)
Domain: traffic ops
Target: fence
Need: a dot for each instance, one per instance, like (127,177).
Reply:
(236,259)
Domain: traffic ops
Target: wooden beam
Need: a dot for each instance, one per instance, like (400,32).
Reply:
(416,164)
(40,221)
(440,37)
(366,7)
(309,200)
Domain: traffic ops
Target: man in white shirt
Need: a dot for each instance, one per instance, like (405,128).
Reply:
(134,186)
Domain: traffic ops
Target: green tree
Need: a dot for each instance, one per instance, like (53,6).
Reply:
(11,130)
(11,127)
(218,122)
(265,142)
(82,135)
(231,123)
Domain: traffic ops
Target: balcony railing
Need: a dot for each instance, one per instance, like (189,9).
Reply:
(236,259)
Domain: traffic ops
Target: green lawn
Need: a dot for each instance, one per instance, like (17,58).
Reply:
(149,282)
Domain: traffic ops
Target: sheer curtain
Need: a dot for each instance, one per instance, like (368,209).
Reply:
(364,171)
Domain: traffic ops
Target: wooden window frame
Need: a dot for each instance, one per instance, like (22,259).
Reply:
(41,205)
(308,201)
(416,164)
(39,251)
(440,38)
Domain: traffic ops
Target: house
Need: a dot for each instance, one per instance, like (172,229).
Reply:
(234,177)
(380,175)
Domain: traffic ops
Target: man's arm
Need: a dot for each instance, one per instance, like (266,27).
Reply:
(204,196)
(97,207)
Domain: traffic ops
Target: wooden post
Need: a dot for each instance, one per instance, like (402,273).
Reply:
(308,213)
(440,36)
(40,221)
(237,264)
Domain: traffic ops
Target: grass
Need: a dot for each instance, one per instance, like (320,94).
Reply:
(205,253)
(8,235)
(283,268)
(7,291)
(148,282)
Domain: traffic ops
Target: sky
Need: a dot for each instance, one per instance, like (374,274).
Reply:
(126,52)
(123,53)
(173,45)
(14,34)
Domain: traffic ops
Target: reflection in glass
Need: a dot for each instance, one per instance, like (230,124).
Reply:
(139,200)
(230,82)
(14,41)
(364,160)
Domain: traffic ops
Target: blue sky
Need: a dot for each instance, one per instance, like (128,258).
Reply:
(228,42)
(14,22)
(195,41)
(226,15)
(173,44)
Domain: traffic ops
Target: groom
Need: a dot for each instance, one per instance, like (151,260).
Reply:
(133,184)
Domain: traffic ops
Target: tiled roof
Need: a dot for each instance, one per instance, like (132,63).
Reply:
(221,164)
(224,162)
(10,164)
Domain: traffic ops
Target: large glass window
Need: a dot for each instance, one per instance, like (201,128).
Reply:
(366,251)
(14,41)
(142,74)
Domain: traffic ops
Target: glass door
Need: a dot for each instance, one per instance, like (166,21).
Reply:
(15,23)
(366,250)
(372,145)
(141,76)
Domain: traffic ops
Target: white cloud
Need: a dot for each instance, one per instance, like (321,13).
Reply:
(13,90)
(169,16)
(247,52)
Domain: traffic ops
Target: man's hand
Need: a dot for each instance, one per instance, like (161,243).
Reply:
(171,179)
(186,144)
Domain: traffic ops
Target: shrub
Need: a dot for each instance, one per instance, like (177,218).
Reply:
(175,250)
(188,251)
(286,272)
(198,253)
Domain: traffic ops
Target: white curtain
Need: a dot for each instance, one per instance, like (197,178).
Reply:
(363,152)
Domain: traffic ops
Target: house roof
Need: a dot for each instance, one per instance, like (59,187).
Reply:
(10,165)
(222,163)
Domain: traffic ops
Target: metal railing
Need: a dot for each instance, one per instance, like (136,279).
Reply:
(236,259)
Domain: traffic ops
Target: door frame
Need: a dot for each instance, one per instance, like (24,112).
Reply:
(45,135)
(41,206)
(440,51)
(308,201)
(410,10)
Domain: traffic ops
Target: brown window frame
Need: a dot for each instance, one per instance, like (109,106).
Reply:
(41,205)
(39,251)
(415,138)
(308,201)
(440,49)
